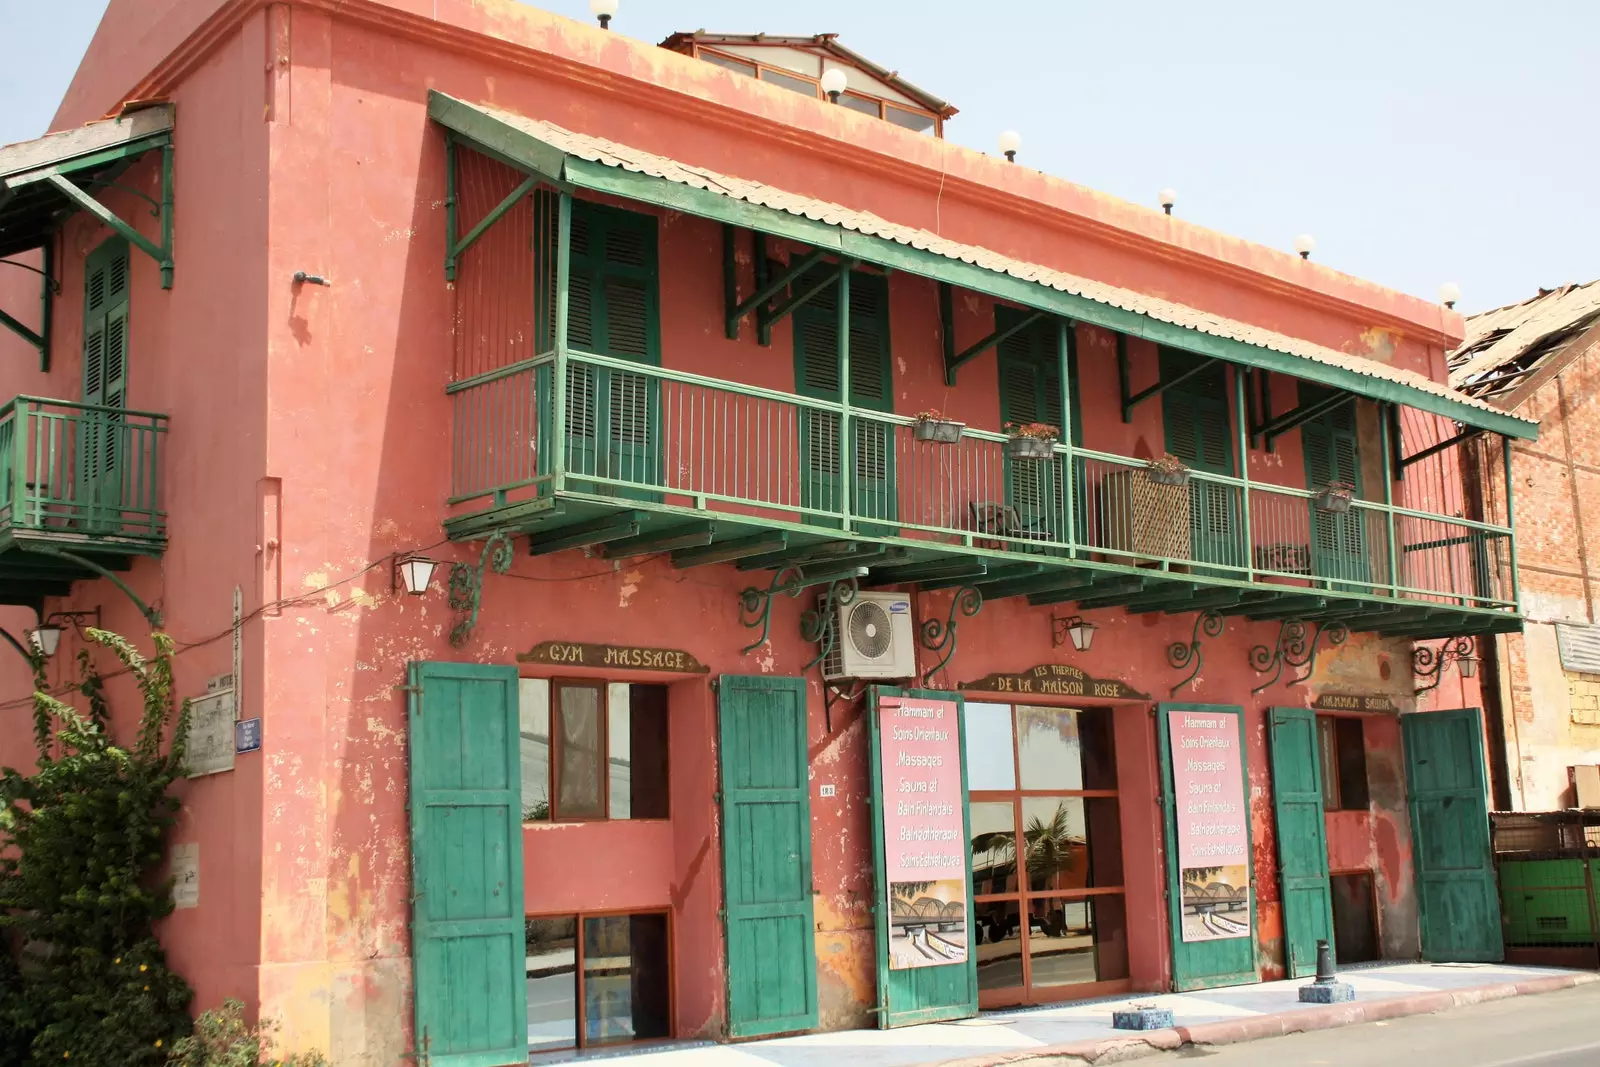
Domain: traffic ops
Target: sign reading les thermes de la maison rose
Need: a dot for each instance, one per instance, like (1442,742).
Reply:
(1213,824)
(924,831)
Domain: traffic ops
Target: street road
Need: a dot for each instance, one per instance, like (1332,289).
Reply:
(1552,1030)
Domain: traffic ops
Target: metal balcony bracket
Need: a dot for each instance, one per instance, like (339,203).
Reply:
(801,296)
(1294,651)
(80,198)
(1180,655)
(820,625)
(1133,400)
(466,583)
(1428,663)
(954,361)
(48,288)
(755,603)
(730,550)
(151,615)
(454,248)
(1432,450)
(940,637)
(1273,429)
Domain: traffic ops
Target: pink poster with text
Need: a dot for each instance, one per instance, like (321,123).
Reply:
(1213,824)
(924,831)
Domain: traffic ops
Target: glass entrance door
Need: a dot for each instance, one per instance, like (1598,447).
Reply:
(1049,919)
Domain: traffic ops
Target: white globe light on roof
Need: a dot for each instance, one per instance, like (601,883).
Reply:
(1305,244)
(834,81)
(603,7)
(1010,141)
(1449,293)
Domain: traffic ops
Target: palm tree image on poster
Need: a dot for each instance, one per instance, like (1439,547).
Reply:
(1216,903)
(928,923)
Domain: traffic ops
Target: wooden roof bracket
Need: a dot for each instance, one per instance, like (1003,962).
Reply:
(1133,401)
(453,248)
(1432,450)
(48,287)
(954,361)
(760,301)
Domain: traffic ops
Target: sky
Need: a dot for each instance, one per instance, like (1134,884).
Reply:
(1418,141)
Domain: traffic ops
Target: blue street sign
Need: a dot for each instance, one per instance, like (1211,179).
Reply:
(247,735)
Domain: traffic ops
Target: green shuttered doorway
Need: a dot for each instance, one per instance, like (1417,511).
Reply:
(1302,838)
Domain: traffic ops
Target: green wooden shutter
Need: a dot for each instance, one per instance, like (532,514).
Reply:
(105,382)
(816,371)
(1198,430)
(613,310)
(766,855)
(1202,964)
(1332,453)
(920,994)
(467,912)
(1029,365)
(1302,838)
(1458,905)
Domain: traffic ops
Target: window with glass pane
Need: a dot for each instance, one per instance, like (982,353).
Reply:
(991,756)
(730,63)
(859,103)
(789,81)
(552,954)
(625,978)
(1072,842)
(1064,748)
(920,121)
(994,847)
(607,755)
(1077,940)
(998,934)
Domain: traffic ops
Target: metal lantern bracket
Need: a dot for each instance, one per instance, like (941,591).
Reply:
(466,583)
(1292,650)
(941,636)
(1180,655)
(1429,662)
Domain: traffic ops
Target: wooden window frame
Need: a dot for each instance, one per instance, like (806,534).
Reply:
(554,761)
(577,975)
(1334,787)
(883,103)
(1023,896)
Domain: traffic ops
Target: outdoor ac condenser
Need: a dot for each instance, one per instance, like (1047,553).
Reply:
(874,639)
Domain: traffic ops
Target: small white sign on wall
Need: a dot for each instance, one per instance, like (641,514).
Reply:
(185,871)
(211,743)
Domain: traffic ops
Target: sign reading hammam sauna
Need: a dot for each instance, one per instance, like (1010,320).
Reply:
(1055,679)
(1213,836)
(924,831)
(626,657)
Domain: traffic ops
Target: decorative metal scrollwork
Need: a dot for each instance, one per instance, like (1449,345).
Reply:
(1428,661)
(755,605)
(466,583)
(941,636)
(1293,650)
(1180,655)
(820,625)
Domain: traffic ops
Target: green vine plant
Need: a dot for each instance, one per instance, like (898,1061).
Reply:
(222,1038)
(83,979)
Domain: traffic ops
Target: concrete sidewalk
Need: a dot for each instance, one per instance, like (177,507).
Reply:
(1048,1035)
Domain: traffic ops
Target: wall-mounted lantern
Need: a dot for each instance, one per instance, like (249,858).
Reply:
(413,573)
(46,637)
(1072,628)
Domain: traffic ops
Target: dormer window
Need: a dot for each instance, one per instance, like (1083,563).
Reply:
(798,63)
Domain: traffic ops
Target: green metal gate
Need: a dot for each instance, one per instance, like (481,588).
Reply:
(1458,903)
(468,946)
(1302,839)
(766,855)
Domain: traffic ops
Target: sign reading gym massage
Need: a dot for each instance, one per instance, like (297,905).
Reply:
(1213,824)
(924,831)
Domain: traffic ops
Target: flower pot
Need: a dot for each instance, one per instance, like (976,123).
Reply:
(944,431)
(1162,477)
(1332,500)
(1030,448)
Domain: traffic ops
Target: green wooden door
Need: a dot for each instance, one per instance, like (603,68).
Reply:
(1458,904)
(816,374)
(105,383)
(1302,838)
(468,949)
(766,855)
(920,994)
(1332,453)
(613,416)
(1029,363)
(1197,428)
(1203,964)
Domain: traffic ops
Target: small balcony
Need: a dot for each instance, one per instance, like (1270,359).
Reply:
(81,492)
(657,460)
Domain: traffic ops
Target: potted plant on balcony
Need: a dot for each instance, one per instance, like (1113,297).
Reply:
(935,425)
(1334,496)
(1168,470)
(1031,440)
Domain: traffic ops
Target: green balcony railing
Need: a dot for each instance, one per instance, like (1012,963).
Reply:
(81,472)
(646,434)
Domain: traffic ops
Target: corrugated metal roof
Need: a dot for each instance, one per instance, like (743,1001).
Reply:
(1505,346)
(612,154)
(824,42)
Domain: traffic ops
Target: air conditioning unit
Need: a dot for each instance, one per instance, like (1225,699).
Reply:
(874,638)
